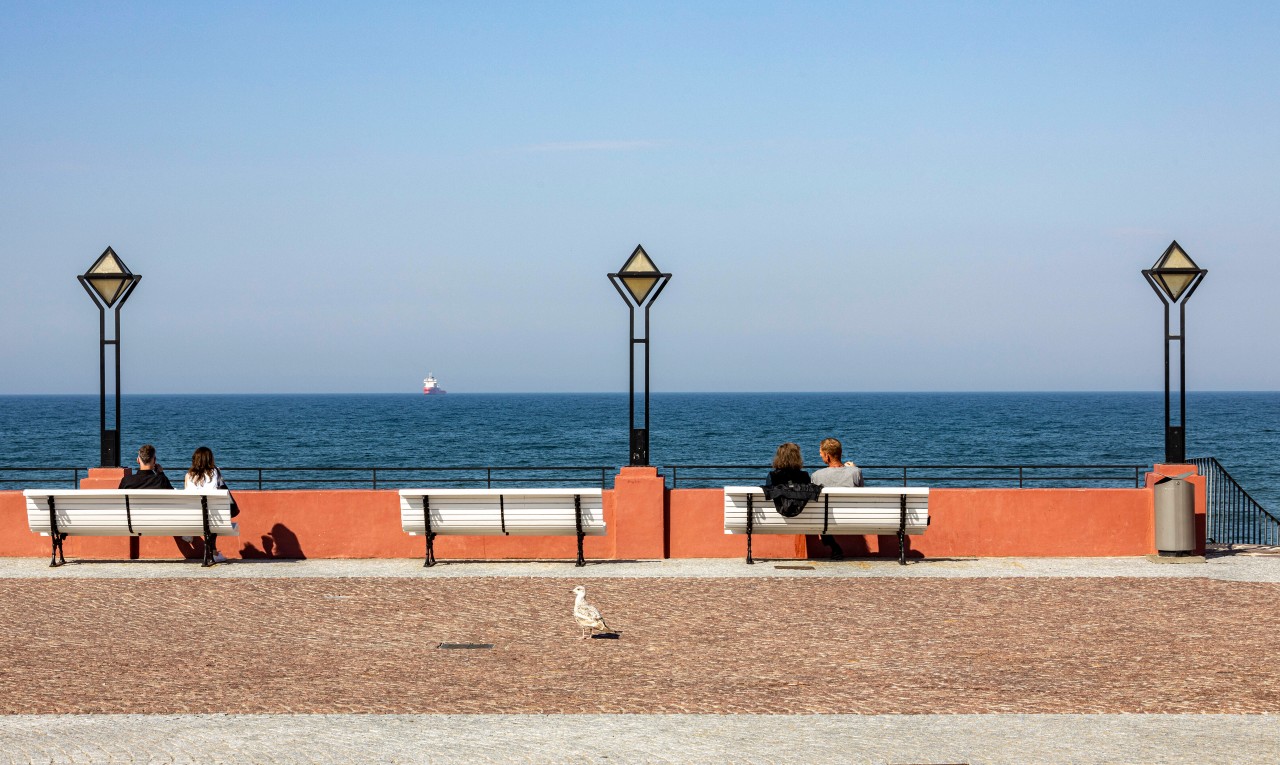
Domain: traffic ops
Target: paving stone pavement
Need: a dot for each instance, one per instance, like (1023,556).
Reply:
(879,739)
(999,661)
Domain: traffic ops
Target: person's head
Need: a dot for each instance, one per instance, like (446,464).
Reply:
(201,463)
(831,451)
(788,456)
(146,456)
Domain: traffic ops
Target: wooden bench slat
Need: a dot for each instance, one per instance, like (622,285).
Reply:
(154,512)
(478,512)
(852,511)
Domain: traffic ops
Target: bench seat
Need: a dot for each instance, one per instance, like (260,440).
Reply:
(837,510)
(59,513)
(494,512)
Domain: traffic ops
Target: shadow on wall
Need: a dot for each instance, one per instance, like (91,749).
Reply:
(280,543)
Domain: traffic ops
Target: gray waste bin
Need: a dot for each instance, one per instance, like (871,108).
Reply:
(1175,515)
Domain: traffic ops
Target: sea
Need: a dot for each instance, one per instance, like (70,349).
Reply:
(509,437)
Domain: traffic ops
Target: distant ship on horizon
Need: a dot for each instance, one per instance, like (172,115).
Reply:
(431,386)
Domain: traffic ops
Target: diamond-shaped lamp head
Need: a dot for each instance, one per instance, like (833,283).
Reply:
(639,275)
(1175,271)
(109,277)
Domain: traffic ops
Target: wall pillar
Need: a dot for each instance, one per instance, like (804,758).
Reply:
(640,514)
(105,477)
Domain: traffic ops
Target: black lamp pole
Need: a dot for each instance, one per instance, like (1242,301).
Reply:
(109,283)
(639,282)
(1174,277)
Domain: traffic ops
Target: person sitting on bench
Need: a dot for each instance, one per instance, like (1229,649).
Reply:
(150,475)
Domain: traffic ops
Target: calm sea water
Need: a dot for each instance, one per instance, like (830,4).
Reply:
(1241,429)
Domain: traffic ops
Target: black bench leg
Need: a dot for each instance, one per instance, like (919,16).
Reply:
(837,552)
(57,540)
(210,541)
(581,560)
(902,533)
(750,513)
(431,550)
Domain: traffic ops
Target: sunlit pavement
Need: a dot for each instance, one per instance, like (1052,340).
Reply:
(998,660)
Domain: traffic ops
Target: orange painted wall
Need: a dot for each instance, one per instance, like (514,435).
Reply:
(697,530)
(966,522)
(647,521)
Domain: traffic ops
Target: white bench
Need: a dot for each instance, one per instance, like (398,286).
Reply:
(60,513)
(491,512)
(837,510)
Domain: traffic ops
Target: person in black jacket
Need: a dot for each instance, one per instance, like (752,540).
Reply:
(150,475)
(788,466)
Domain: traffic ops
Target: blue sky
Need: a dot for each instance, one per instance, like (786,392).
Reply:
(923,196)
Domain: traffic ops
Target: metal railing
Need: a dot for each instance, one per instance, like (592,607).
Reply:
(1022,476)
(1233,516)
(679,476)
(39,477)
(470,476)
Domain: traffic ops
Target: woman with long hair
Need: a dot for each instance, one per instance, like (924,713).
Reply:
(204,474)
(788,466)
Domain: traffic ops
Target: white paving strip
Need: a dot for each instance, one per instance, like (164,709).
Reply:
(974,739)
(1250,565)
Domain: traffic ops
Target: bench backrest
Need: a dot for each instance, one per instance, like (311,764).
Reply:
(481,512)
(150,512)
(852,511)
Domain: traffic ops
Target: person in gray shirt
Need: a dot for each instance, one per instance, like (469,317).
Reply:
(837,472)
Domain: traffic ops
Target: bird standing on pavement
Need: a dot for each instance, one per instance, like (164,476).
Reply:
(587,615)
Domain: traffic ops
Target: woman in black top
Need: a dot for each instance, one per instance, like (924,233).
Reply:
(788,466)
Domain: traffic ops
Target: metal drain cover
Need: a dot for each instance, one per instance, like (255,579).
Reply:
(795,568)
(465,645)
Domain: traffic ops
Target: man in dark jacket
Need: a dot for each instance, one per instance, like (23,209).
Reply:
(150,475)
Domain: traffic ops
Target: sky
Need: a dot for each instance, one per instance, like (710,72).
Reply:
(898,196)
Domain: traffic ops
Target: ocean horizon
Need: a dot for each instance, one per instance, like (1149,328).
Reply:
(1239,428)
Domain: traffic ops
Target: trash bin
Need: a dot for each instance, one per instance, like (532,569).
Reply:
(1175,515)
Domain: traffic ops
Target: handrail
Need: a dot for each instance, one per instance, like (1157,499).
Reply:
(75,475)
(489,479)
(906,473)
(491,475)
(1233,516)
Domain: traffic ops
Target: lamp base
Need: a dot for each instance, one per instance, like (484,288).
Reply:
(639,446)
(1175,445)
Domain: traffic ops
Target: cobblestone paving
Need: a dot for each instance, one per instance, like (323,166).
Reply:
(974,739)
(740,646)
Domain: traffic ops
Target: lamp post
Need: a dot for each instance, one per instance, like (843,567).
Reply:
(639,282)
(109,283)
(1174,277)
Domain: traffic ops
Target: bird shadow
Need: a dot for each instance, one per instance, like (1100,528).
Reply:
(606,636)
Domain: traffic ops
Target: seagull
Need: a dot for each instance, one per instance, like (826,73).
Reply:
(587,615)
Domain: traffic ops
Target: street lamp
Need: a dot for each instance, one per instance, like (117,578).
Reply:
(639,282)
(1174,277)
(109,283)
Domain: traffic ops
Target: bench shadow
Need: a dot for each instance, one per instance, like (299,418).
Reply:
(855,546)
(280,544)
(532,561)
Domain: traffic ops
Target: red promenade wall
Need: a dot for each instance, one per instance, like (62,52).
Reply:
(647,521)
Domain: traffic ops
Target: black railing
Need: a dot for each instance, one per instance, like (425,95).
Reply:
(40,477)
(1234,517)
(474,476)
(679,476)
(1022,476)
